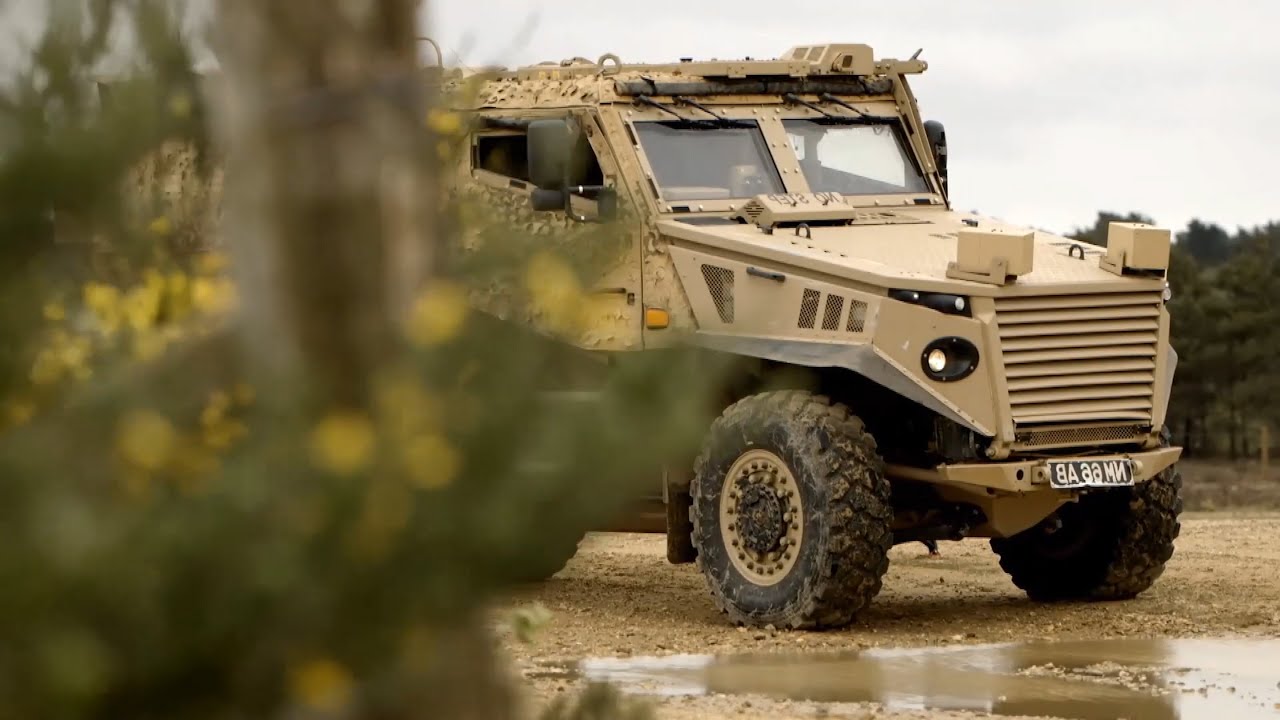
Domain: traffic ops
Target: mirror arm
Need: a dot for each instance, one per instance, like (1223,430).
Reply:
(569,190)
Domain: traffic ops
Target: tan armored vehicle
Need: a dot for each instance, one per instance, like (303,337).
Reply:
(962,377)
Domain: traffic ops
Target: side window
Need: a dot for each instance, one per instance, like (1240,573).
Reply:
(506,152)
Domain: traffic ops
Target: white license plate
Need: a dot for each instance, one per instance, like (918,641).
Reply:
(1071,474)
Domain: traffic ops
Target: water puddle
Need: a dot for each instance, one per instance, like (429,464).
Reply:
(1095,680)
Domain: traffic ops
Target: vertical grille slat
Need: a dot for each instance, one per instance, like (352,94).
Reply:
(1080,358)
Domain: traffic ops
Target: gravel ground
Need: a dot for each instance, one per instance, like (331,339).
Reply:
(620,598)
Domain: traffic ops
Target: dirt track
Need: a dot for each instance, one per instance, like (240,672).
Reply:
(619,597)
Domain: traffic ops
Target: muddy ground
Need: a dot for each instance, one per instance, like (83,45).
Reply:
(620,598)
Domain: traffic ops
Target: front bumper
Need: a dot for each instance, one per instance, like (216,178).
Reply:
(1026,476)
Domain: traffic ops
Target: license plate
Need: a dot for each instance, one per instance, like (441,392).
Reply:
(1071,474)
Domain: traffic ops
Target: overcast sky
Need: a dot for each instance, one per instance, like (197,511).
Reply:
(1053,109)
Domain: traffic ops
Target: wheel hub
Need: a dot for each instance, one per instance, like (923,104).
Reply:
(761,518)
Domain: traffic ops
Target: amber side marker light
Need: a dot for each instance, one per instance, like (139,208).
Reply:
(656,318)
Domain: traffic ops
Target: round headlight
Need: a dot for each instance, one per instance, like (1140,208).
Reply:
(937,360)
(949,359)
(960,304)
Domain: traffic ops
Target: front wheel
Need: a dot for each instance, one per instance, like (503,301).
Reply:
(790,510)
(1111,545)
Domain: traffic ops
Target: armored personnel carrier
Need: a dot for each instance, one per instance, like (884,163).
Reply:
(954,376)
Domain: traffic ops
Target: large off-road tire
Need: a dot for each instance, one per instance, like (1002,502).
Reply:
(1111,545)
(790,510)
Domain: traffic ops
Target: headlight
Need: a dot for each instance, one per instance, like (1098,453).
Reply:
(936,360)
(949,359)
(942,302)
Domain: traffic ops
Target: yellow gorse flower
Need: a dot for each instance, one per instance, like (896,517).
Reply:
(438,314)
(321,684)
(146,439)
(343,443)
(555,292)
(444,122)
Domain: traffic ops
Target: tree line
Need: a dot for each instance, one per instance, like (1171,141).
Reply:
(1226,329)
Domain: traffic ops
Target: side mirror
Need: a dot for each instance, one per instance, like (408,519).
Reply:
(937,135)
(551,145)
(558,157)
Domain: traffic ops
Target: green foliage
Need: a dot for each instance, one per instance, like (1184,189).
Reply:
(175,543)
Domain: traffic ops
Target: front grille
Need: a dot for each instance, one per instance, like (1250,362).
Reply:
(1047,437)
(1080,358)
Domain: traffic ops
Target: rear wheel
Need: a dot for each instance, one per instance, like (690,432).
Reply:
(1111,545)
(790,510)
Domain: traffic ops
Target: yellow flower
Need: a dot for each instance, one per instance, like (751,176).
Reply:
(438,315)
(444,122)
(180,105)
(555,292)
(343,443)
(212,263)
(161,226)
(104,301)
(321,684)
(145,439)
(213,296)
(178,295)
(141,306)
(431,461)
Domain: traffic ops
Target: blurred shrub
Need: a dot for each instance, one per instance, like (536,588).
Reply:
(178,542)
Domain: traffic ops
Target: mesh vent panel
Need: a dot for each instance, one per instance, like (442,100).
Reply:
(809,309)
(834,309)
(857,317)
(1071,436)
(720,284)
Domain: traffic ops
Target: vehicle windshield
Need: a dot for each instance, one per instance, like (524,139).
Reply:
(865,159)
(707,162)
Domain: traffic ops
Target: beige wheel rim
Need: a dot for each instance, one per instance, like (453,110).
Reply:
(761,517)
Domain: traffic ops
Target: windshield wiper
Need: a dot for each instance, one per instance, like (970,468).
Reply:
(828,97)
(646,100)
(721,120)
(795,100)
